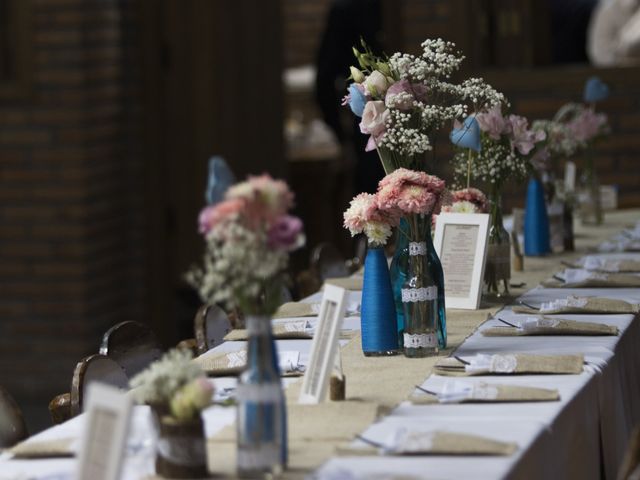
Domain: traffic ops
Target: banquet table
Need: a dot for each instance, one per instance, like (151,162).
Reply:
(583,435)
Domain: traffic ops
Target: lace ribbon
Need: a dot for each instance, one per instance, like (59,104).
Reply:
(419,294)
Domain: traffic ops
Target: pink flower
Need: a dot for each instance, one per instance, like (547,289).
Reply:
(374,116)
(472,195)
(284,233)
(409,191)
(213,215)
(364,216)
(540,159)
(266,198)
(587,125)
(402,95)
(493,123)
(524,139)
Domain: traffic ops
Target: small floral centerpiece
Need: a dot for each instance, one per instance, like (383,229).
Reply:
(466,200)
(364,215)
(405,99)
(249,237)
(506,144)
(177,390)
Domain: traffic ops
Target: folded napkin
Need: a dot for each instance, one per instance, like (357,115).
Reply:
(588,305)
(607,265)
(407,442)
(43,449)
(297,309)
(579,278)
(541,325)
(281,331)
(620,244)
(483,364)
(233,363)
(480,392)
(348,283)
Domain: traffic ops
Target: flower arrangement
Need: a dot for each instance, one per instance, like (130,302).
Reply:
(404,99)
(401,193)
(506,143)
(249,237)
(467,200)
(175,384)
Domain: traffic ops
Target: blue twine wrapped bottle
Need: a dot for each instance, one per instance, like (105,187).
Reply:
(399,271)
(378,314)
(536,221)
(261,408)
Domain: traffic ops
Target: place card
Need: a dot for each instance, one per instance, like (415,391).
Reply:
(461,243)
(324,346)
(108,411)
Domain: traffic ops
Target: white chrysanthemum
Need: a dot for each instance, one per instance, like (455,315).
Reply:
(464,206)
(377,232)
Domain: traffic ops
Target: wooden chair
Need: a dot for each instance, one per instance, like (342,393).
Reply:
(211,324)
(327,262)
(132,345)
(12,426)
(94,368)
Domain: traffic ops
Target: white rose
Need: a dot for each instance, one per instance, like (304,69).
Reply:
(376,83)
(373,118)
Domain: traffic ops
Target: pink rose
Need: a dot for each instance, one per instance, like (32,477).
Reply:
(493,123)
(373,121)
(402,95)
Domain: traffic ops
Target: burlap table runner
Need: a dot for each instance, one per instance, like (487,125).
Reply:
(439,443)
(297,309)
(514,364)
(280,332)
(348,283)
(495,393)
(374,386)
(553,326)
(612,280)
(43,449)
(594,305)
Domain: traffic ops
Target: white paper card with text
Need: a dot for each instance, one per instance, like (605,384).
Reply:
(461,243)
(324,345)
(107,416)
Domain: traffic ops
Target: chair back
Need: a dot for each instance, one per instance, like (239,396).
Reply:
(211,324)
(12,426)
(327,262)
(132,345)
(94,368)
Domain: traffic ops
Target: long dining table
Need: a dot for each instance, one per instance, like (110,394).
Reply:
(582,435)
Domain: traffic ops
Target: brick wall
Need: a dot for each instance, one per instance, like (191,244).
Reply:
(67,256)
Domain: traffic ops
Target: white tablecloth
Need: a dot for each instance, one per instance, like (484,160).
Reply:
(582,436)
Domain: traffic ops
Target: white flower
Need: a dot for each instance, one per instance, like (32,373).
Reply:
(377,232)
(373,118)
(376,83)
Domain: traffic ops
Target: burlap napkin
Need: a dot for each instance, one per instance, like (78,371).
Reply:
(436,443)
(610,280)
(297,309)
(510,364)
(551,326)
(43,449)
(232,364)
(494,393)
(588,305)
(281,331)
(609,266)
(348,283)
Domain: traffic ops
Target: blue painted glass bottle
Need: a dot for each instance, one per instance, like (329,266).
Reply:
(261,408)
(399,271)
(378,313)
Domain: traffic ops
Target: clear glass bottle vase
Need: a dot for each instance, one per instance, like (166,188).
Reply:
(590,199)
(420,304)
(261,409)
(497,271)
